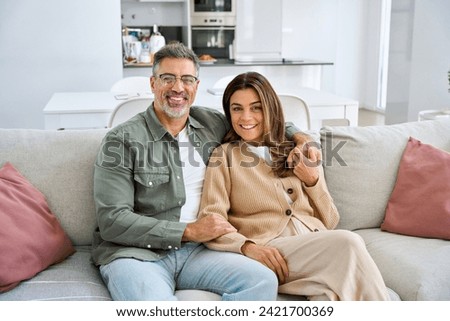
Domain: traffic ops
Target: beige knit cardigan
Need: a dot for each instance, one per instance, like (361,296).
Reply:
(241,187)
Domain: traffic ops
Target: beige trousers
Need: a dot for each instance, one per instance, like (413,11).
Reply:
(329,265)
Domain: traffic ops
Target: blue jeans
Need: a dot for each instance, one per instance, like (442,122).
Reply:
(233,276)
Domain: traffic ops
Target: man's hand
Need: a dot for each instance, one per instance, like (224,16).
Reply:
(270,257)
(207,228)
(303,143)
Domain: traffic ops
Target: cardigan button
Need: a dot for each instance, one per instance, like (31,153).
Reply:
(288,212)
(290,190)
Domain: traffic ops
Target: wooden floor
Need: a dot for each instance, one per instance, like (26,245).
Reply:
(369,118)
(366,117)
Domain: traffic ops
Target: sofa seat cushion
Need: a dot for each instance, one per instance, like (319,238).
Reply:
(196,295)
(199,295)
(416,268)
(76,278)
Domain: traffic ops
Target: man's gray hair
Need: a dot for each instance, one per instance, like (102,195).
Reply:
(175,50)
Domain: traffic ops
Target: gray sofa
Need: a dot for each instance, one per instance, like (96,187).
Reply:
(60,165)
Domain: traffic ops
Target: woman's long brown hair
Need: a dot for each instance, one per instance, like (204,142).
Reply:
(274,129)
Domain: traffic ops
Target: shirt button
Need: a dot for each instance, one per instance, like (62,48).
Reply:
(150,183)
(176,248)
(178,177)
(179,202)
(149,246)
(169,247)
(290,190)
(288,212)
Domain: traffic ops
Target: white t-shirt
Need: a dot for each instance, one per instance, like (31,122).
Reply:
(193,175)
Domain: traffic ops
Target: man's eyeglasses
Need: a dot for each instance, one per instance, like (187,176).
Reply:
(170,80)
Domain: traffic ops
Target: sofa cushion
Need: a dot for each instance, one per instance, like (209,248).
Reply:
(420,202)
(31,238)
(361,163)
(61,165)
(76,278)
(416,268)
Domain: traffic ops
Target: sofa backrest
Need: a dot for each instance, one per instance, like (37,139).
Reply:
(61,165)
(361,163)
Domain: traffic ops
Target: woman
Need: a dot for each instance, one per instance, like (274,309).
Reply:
(283,213)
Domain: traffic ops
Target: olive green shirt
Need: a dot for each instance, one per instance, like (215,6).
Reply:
(139,188)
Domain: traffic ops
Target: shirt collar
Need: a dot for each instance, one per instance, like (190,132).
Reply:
(157,130)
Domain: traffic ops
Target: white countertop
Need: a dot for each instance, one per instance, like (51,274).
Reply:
(92,109)
(87,102)
(314,98)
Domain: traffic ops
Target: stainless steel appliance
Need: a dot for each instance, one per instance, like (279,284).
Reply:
(213,27)
(213,12)
(214,41)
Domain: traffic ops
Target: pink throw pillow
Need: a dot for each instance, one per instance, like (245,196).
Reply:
(31,238)
(420,202)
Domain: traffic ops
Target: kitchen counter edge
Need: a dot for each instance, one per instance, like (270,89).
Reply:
(231,62)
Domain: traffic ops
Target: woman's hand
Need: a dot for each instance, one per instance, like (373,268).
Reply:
(303,142)
(270,257)
(306,165)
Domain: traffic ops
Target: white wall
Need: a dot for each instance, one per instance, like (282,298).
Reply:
(419,59)
(310,32)
(430,57)
(345,32)
(354,45)
(54,45)
(60,45)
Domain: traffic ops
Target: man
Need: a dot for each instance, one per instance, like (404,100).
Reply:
(147,187)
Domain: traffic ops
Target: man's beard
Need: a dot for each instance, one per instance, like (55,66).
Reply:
(174,113)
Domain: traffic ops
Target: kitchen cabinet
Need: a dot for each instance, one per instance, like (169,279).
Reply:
(258,30)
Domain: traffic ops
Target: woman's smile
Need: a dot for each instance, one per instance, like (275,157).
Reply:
(247,117)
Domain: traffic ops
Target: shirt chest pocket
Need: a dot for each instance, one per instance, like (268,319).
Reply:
(151,190)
